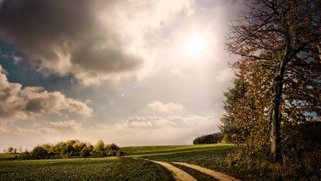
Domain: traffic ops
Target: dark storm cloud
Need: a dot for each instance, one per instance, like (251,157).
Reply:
(67,36)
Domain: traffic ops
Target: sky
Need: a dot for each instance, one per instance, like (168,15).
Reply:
(130,72)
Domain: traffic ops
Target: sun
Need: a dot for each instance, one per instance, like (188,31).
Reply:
(196,45)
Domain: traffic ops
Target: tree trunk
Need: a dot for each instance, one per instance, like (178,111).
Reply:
(276,116)
(319,47)
(276,120)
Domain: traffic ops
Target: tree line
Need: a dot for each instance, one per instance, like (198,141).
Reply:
(208,139)
(70,149)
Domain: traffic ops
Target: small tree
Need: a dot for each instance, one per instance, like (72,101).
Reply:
(10,150)
(85,152)
(225,139)
(68,151)
(25,155)
(99,148)
(39,153)
(112,149)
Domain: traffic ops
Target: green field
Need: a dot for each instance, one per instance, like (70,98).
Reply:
(165,150)
(83,169)
(130,167)
(6,156)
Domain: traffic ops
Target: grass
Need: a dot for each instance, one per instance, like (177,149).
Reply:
(165,150)
(211,157)
(7,156)
(113,168)
(195,174)
(83,169)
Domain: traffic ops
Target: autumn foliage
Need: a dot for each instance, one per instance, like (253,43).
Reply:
(276,112)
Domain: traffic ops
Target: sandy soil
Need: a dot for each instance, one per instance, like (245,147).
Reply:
(215,174)
(179,175)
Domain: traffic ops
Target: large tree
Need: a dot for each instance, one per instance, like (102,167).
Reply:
(280,39)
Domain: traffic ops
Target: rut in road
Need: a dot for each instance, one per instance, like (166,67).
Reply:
(178,174)
(215,174)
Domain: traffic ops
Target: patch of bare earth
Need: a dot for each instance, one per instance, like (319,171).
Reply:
(178,174)
(213,173)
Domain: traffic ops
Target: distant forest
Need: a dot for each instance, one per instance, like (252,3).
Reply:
(208,139)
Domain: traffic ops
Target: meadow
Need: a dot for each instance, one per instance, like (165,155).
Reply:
(130,167)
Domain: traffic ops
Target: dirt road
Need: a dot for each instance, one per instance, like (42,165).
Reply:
(215,174)
(179,175)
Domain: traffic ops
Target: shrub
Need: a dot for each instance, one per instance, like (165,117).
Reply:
(39,153)
(85,152)
(25,156)
(120,153)
(225,139)
(68,151)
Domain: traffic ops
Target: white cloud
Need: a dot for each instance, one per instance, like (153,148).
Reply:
(23,102)
(225,75)
(156,122)
(178,72)
(157,130)
(165,107)
(63,126)
(12,130)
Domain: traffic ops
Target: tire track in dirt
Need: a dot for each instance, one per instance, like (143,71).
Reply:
(215,174)
(178,174)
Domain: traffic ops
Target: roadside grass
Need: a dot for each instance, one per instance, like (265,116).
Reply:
(83,169)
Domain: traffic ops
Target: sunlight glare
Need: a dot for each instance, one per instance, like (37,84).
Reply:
(196,45)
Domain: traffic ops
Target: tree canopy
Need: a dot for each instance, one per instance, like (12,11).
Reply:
(276,97)
(278,43)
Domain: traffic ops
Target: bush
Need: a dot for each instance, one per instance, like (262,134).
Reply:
(85,152)
(112,150)
(68,151)
(301,153)
(24,156)
(39,153)
(225,139)
(120,153)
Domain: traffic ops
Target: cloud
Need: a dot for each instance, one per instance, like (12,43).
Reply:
(62,127)
(156,122)
(225,75)
(93,40)
(22,102)
(165,108)
(149,130)
(12,130)
(178,72)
